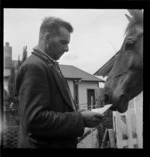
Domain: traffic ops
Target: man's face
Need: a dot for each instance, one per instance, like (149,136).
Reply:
(58,44)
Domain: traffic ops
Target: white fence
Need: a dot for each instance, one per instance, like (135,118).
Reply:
(128,127)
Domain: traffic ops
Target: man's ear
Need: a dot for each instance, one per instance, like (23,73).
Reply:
(47,36)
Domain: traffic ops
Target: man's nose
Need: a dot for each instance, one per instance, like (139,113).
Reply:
(66,48)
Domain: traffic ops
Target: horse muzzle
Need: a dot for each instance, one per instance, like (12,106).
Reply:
(119,103)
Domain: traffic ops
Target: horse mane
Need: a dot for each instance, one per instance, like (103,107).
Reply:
(135,21)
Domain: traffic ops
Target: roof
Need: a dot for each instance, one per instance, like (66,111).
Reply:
(72,72)
(106,68)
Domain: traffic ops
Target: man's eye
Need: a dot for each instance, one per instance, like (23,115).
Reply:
(63,42)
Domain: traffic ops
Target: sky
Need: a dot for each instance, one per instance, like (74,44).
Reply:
(98,33)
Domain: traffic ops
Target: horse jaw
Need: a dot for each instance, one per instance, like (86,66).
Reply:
(120,105)
(123,106)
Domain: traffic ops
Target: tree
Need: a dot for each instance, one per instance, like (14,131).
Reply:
(24,57)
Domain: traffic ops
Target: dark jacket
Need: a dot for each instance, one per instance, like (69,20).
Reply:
(48,118)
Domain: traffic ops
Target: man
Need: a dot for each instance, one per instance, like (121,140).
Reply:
(48,114)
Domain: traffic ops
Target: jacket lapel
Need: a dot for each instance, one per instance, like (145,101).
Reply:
(62,87)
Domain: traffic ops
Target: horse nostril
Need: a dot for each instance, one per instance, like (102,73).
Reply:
(106,99)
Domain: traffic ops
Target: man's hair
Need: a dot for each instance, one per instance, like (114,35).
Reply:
(52,25)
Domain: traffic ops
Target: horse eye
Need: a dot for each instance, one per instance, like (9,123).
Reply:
(130,41)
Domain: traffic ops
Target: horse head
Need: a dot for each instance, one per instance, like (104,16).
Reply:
(125,80)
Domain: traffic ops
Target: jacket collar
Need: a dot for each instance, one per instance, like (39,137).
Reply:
(45,55)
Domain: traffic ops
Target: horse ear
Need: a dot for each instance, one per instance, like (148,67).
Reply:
(131,11)
(134,12)
(128,17)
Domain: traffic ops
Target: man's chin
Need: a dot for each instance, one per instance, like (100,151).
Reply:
(58,56)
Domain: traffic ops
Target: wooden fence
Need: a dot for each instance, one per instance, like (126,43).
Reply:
(128,126)
(126,130)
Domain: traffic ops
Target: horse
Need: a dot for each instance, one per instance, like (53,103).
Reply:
(125,80)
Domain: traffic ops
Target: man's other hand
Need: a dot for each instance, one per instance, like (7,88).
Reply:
(91,119)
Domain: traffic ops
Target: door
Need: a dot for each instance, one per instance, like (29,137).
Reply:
(91,98)
(76,95)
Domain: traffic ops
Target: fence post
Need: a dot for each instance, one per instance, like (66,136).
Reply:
(92,128)
(91,102)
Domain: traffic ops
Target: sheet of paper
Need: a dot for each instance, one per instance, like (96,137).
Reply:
(102,109)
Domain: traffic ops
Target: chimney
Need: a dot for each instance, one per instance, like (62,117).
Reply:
(7,56)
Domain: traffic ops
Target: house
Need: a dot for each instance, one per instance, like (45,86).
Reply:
(128,126)
(82,85)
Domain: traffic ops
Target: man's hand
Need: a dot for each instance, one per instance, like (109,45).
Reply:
(91,119)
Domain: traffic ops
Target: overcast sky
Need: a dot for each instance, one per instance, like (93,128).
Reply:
(98,33)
